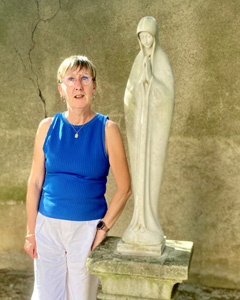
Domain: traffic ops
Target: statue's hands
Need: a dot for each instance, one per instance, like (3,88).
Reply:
(147,69)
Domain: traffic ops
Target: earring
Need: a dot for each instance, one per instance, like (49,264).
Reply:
(93,97)
(62,98)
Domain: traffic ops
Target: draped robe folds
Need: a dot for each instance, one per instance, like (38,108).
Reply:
(148,116)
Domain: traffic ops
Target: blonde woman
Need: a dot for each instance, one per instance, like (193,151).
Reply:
(67,213)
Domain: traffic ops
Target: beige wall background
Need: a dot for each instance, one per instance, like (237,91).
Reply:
(200,191)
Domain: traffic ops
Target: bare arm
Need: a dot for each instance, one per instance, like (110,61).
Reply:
(118,163)
(35,183)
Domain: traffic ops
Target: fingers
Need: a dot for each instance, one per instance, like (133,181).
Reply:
(100,236)
(35,254)
(30,247)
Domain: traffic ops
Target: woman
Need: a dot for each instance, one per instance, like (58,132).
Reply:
(67,215)
(149,101)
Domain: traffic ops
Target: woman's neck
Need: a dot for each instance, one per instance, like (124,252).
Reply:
(79,117)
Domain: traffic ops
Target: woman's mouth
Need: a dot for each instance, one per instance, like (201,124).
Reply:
(78,96)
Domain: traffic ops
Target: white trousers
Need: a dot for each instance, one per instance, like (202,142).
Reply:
(60,269)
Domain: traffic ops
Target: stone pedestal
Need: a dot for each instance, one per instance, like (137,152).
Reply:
(132,277)
(146,250)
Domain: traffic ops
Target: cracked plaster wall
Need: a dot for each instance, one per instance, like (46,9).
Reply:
(200,191)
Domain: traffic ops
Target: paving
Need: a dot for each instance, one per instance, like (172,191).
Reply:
(17,285)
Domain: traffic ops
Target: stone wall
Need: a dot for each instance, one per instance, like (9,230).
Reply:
(200,190)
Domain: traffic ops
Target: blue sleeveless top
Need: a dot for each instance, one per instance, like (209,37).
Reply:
(76,170)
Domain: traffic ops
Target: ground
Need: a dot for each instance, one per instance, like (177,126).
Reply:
(17,285)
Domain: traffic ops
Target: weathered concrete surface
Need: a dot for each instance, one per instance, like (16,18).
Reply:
(200,191)
(135,249)
(18,285)
(132,277)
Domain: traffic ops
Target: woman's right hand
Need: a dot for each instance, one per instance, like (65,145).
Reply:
(30,246)
(35,183)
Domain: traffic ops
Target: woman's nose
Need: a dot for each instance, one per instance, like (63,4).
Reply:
(78,83)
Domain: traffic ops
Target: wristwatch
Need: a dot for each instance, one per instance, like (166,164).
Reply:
(102,226)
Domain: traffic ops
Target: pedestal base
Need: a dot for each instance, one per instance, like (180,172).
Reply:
(134,277)
(131,249)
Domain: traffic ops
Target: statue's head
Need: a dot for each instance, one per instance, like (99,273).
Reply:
(148,24)
(147,32)
(146,39)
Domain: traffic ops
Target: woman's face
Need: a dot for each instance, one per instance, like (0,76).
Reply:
(146,39)
(77,88)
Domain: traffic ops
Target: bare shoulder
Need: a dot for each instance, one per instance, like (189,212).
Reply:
(44,125)
(45,122)
(43,129)
(111,127)
(112,133)
(113,137)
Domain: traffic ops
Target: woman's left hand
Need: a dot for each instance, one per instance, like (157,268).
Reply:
(118,162)
(100,236)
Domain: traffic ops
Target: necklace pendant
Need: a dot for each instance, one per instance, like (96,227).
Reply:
(76,135)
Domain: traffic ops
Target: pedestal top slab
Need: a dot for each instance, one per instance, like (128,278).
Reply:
(173,263)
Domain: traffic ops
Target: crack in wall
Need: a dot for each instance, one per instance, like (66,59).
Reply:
(36,82)
(25,68)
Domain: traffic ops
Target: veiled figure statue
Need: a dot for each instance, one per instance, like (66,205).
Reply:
(148,104)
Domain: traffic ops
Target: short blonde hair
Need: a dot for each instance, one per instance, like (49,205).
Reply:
(74,62)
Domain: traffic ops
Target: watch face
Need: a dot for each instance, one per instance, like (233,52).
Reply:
(100,224)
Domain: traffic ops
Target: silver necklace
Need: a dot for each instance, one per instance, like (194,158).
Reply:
(77,131)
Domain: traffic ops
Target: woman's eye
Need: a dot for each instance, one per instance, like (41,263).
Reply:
(85,78)
(71,79)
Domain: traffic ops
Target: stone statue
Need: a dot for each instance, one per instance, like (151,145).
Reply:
(148,102)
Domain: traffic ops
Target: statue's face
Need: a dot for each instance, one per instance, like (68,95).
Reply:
(146,39)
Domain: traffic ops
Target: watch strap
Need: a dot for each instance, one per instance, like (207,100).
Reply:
(102,226)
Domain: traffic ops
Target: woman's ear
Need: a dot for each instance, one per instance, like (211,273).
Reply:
(60,90)
(94,86)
